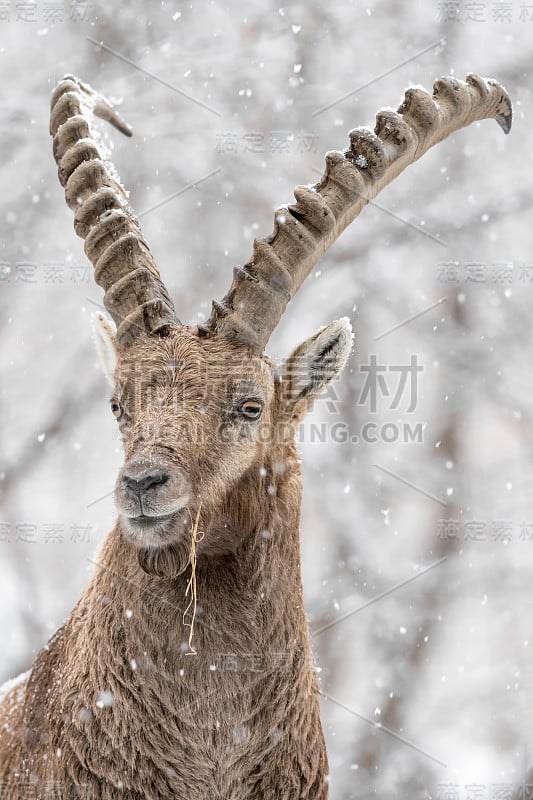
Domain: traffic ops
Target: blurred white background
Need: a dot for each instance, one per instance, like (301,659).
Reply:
(443,660)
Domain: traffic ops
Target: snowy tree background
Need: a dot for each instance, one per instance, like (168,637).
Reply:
(429,543)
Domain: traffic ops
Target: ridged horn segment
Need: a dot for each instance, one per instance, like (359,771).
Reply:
(302,232)
(135,296)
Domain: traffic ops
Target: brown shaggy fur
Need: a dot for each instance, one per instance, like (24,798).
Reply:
(115,705)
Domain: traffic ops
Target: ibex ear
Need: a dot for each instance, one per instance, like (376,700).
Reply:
(106,345)
(314,364)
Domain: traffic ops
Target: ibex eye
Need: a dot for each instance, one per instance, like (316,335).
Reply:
(251,409)
(116,408)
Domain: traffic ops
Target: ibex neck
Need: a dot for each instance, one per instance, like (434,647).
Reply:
(228,693)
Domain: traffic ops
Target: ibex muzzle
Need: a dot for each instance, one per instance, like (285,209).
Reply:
(151,499)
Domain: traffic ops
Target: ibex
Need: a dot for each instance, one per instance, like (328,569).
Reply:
(185,670)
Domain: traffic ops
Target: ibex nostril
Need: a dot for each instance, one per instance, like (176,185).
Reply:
(141,485)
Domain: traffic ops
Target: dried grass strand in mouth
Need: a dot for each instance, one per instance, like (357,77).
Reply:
(191,586)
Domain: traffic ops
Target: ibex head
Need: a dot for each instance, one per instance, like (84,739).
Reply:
(202,410)
(197,414)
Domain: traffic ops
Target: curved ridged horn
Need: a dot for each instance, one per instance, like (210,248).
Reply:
(302,232)
(135,296)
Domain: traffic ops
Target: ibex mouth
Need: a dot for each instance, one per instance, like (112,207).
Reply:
(163,542)
(154,531)
(148,520)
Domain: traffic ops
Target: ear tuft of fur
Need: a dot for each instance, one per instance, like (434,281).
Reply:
(315,363)
(105,336)
(335,343)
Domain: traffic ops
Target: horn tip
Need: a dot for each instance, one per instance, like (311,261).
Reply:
(504,117)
